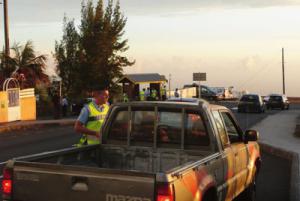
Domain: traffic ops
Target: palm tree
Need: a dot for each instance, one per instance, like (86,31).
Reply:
(24,65)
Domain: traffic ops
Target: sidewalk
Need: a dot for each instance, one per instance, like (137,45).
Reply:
(278,130)
(24,125)
(277,134)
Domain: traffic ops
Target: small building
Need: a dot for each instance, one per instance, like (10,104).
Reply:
(131,83)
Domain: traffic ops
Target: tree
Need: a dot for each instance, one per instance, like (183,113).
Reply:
(102,32)
(66,54)
(99,60)
(24,65)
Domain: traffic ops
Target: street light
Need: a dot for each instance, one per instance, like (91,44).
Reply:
(6,28)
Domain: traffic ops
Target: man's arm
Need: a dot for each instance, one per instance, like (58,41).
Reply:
(80,128)
(82,121)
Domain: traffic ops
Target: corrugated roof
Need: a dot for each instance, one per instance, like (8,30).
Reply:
(146,77)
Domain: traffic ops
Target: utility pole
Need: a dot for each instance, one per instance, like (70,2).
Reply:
(170,85)
(6,29)
(283,73)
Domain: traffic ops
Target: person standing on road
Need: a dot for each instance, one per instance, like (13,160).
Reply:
(92,117)
(64,104)
(125,98)
(154,94)
(143,95)
(147,94)
(176,94)
(163,92)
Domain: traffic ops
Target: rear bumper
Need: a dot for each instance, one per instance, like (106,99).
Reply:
(249,108)
(275,105)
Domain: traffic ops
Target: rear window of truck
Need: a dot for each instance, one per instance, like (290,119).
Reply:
(169,126)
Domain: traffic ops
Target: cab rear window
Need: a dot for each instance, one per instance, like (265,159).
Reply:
(169,128)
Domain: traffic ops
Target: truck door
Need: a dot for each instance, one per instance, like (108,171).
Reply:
(228,159)
(239,149)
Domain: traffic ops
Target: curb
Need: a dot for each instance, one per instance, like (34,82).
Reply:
(294,158)
(35,125)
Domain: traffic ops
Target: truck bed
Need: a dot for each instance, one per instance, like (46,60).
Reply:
(141,159)
(102,172)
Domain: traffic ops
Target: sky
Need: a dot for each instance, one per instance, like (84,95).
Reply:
(236,42)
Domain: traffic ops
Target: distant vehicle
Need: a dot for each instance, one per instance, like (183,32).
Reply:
(278,101)
(185,100)
(251,103)
(150,151)
(224,92)
(206,92)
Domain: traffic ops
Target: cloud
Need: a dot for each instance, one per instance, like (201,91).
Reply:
(54,10)
(170,6)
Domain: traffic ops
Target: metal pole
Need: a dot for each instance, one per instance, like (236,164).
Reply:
(199,89)
(169,85)
(6,28)
(283,73)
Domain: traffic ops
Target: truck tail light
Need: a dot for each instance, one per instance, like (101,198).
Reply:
(7,183)
(165,192)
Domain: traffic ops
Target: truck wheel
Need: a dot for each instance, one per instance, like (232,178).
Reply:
(210,195)
(249,194)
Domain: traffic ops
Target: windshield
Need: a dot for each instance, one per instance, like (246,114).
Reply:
(249,98)
(275,98)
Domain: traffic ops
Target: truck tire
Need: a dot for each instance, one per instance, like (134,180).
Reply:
(210,195)
(249,194)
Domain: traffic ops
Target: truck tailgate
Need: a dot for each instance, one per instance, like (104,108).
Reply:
(48,182)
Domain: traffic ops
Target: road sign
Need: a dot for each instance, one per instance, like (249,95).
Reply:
(199,76)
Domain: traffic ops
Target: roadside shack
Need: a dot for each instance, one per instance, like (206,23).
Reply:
(133,84)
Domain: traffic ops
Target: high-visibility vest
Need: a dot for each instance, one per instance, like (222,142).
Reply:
(125,98)
(95,122)
(154,93)
(163,91)
(142,96)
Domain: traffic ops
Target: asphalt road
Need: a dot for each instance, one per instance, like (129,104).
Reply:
(35,141)
(273,181)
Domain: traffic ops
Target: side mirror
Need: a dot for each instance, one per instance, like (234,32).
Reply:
(251,136)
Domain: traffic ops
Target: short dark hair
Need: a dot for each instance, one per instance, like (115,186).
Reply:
(99,89)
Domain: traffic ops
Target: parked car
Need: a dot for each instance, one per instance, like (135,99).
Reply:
(251,103)
(150,151)
(223,92)
(278,101)
(206,92)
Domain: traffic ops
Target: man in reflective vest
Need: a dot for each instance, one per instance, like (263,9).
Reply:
(125,98)
(92,117)
(163,93)
(154,94)
(143,95)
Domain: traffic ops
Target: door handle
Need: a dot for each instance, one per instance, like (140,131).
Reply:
(79,186)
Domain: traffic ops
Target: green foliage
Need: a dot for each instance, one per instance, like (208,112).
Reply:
(94,57)
(66,54)
(24,65)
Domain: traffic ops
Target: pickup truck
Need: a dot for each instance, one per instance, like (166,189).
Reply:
(149,151)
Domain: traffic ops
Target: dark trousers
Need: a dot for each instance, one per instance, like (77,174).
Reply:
(64,110)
